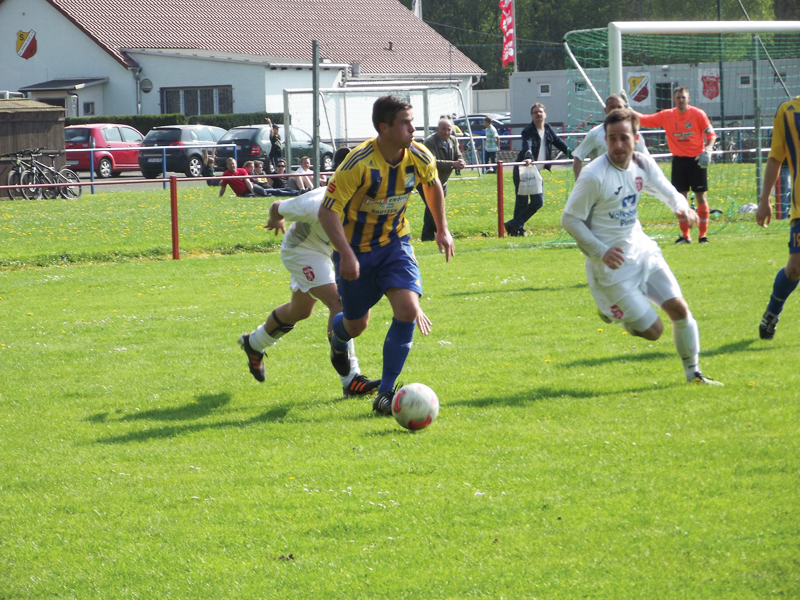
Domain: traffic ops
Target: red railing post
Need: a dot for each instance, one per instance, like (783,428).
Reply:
(501,230)
(173,194)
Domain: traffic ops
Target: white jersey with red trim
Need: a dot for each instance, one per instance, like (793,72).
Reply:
(606,198)
(306,230)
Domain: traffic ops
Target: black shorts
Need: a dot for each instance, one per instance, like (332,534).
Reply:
(688,174)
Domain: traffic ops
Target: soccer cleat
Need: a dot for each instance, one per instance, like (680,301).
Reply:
(683,240)
(255,359)
(603,316)
(340,359)
(361,386)
(383,403)
(701,379)
(767,327)
(703,239)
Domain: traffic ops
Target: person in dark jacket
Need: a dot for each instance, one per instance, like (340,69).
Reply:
(534,149)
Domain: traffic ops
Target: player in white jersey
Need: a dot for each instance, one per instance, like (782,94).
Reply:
(594,144)
(624,267)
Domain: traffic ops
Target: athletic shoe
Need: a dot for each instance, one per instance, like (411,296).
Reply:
(683,240)
(767,327)
(703,239)
(383,403)
(361,386)
(701,379)
(511,232)
(255,359)
(340,359)
(603,316)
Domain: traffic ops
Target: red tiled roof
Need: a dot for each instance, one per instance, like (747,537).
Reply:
(347,30)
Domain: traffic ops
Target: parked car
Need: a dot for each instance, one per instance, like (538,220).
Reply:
(476,124)
(117,148)
(252,143)
(189,145)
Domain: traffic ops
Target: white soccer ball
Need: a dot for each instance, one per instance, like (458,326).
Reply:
(415,406)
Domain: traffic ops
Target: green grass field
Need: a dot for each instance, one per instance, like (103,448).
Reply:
(139,459)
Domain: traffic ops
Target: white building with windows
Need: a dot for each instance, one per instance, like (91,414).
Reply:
(115,57)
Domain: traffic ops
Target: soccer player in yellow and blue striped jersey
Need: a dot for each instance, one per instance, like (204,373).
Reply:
(785,146)
(363,214)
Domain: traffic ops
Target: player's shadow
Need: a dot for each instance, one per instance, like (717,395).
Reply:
(740,346)
(549,288)
(196,409)
(627,357)
(541,394)
(273,415)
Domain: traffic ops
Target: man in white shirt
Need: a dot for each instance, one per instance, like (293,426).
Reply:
(624,267)
(594,144)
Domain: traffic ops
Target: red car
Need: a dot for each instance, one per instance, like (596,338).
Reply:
(117,148)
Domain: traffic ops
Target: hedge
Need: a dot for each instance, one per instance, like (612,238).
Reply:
(236,120)
(143,123)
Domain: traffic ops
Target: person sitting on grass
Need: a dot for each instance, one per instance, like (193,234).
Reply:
(241,187)
(208,171)
(259,176)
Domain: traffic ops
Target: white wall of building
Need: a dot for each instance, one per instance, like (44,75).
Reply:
(63,52)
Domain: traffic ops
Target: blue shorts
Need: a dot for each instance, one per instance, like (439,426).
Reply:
(794,237)
(391,266)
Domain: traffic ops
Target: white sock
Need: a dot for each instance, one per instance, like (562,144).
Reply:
(354,370)
(687,343)
(260,339)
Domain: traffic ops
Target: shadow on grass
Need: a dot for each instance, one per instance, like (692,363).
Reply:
(625,357)
(273,415)
(196,409)
(740,346)
(505,290)
(548,393)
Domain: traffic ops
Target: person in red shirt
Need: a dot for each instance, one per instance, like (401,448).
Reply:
(241,187)
(690,138)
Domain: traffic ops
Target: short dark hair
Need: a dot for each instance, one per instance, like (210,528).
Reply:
(339,157)
(385,110)
(614,97)
(681,88)
(535,104)
(618,115)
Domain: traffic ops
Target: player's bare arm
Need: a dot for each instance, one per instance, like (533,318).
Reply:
(275,222)
(348,264)
(435,195)
(764,211)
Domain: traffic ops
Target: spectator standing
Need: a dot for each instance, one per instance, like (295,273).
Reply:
(275,148)
(444,148)
(538,140)
(490,144)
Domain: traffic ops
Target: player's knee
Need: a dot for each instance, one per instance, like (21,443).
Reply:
(356,327)
(676,309)
(653,332)
(792,268)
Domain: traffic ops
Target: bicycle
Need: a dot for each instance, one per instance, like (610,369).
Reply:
(18,167)
(40,173)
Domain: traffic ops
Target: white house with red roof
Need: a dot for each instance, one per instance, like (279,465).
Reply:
(114,57)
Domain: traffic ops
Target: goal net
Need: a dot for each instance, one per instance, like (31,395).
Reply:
(345,114)
(737,72)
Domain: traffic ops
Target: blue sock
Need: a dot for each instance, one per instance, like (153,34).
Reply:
(340,335)
(396,347)
(781,289)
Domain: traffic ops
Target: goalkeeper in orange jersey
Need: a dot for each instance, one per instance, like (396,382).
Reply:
(690,138)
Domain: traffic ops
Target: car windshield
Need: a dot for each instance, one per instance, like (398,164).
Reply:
(80,134)
(163,135)
(242,135)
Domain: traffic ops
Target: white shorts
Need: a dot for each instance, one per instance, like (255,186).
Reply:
(629,301)
(308,268)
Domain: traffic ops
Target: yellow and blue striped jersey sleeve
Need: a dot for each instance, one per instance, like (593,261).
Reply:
(370,195)
(786,145)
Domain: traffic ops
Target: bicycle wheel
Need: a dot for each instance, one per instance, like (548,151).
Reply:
(29,178)
(70,192)
(13,179)
(48,176)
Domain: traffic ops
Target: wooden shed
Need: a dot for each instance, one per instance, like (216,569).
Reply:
(28,124)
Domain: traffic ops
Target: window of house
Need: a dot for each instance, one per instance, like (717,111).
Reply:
(197,100)
(580,87)
(88,108)
(745,81)
(544,89)
(777,80)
